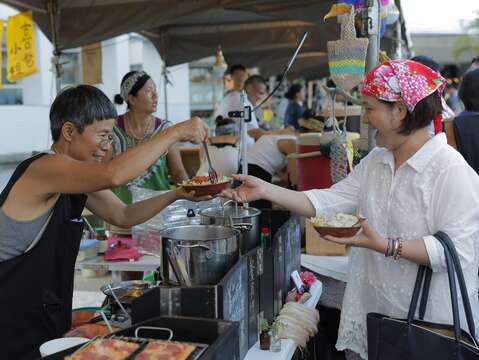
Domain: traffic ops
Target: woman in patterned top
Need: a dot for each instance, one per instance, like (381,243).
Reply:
(138,124)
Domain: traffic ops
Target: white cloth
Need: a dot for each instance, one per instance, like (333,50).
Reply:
(266,155)
(434,190)
(232,102)
(223,159)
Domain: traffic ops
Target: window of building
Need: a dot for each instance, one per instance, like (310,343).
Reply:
(71,67)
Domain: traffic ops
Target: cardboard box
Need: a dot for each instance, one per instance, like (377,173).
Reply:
(317,245)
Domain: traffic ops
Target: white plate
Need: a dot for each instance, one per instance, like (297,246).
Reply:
(57,345)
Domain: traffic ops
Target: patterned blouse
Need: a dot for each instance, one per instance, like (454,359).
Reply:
(156,177)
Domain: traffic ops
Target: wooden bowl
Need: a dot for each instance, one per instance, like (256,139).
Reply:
(338,231)
(208,189)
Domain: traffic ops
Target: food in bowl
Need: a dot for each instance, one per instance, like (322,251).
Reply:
(338,225)
(202,185)
(202,180)
(339,220)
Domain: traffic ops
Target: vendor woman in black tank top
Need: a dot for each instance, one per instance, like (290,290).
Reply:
(44,200)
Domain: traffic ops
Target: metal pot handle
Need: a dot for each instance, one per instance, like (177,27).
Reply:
(139,328)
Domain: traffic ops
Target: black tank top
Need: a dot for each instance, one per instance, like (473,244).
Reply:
(36,287)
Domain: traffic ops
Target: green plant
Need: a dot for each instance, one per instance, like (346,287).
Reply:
(470,41)
(276,327)
(263,325)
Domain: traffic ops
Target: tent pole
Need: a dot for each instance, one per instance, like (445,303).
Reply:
(165,89)
(372,26)
(52,11)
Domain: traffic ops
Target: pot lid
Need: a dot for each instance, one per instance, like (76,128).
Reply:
(230,211)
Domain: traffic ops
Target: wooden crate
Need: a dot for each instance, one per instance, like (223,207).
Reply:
(317,245)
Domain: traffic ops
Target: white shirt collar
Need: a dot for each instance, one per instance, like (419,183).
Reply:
(423,156)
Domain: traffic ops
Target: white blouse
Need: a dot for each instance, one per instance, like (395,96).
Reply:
(434,190)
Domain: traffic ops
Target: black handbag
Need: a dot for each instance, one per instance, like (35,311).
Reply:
(414,339)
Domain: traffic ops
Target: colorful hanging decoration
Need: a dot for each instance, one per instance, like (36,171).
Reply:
(347,56)
(389,12)
(21,61)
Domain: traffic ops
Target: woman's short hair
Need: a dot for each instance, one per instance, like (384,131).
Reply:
(424,112)
(469,90)
(225,126)
(81,105)
(292,91)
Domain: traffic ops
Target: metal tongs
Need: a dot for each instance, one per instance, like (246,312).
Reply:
(212,174)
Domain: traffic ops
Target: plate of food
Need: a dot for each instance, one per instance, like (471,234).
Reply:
(203,186)
(338,225)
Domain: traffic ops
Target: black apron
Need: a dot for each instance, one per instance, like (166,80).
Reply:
(36,288)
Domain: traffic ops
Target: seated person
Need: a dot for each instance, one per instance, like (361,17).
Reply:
(295,110)
(41,209)
(255,88)
(267,157)
(222,149)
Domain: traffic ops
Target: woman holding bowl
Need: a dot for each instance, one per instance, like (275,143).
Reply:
(409,187)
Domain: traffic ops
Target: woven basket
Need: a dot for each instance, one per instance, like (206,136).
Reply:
(347,56)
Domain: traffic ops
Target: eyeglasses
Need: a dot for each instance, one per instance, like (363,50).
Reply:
(106,140)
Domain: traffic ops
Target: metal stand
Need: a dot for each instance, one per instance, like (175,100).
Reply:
(372,26)
(57,66)
(165,86)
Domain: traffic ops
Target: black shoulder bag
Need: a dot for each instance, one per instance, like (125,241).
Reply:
(415,339)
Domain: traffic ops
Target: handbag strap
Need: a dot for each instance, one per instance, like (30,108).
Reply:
(446,240)
(453,269)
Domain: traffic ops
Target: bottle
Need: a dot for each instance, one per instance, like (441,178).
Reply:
(264,336)
(102,237)
(265,238)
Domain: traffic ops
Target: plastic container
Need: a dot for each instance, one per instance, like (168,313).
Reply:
(101,236)
(88,249)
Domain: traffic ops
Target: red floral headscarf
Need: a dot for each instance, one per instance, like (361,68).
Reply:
(404,80)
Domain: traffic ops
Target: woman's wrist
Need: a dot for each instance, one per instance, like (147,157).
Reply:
(379,244)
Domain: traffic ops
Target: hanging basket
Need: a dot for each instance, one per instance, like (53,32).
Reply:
(347,56)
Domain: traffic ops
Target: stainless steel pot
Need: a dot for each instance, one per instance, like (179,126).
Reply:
(198,254)
(246,220)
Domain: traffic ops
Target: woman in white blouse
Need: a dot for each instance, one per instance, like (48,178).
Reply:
(406,189)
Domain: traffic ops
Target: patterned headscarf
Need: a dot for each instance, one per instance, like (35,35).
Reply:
(404,80)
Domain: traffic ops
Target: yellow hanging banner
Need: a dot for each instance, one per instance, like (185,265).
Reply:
(1,52)
(20,47)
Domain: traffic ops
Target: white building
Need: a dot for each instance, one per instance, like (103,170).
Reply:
(24,105)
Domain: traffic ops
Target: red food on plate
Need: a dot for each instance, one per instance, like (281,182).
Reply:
(105,349)
(165,350)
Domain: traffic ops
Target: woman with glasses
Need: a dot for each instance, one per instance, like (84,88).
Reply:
(41,209)
(138,124)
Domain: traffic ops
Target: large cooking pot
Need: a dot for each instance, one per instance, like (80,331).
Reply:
(246,220)
(198,254)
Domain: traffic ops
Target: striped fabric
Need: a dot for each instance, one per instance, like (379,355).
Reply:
(156,177)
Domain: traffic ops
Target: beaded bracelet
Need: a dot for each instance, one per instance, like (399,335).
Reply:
(398,252)
(394,248)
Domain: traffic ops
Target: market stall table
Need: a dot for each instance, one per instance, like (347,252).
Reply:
(332,271)
(146,263)
(287,345)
